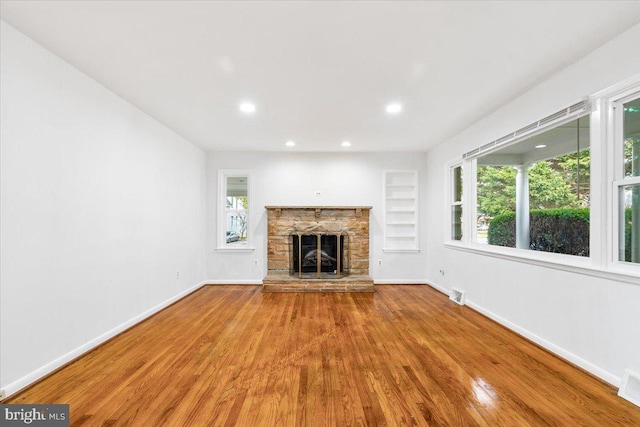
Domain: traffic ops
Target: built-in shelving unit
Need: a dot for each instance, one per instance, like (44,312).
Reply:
(400,211)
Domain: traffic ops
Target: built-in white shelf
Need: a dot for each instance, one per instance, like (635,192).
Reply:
(400,211)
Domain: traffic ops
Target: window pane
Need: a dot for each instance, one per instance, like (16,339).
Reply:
(496,196)
(456,206)
(237,205)
(629,241)
(555,179)
(457,184)
(236,226)
(631,120)
(237,191)
(456,226)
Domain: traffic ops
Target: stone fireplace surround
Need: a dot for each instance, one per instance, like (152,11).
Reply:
(282,221)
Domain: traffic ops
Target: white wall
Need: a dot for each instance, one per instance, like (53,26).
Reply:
(292,179)
(593,322)
(100,206)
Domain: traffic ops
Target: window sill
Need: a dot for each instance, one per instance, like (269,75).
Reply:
(235,249)
(412,250)
(574,264)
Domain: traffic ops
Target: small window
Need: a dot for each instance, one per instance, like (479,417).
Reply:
(456,203)
(234,212)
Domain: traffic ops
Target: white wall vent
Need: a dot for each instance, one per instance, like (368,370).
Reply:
(457,296)
(630,388)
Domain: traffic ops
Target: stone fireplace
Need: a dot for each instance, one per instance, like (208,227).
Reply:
(318,249)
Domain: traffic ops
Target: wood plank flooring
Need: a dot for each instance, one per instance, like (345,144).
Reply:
(232,355)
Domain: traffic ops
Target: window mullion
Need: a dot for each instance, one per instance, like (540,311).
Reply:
(469,208)
(600,245)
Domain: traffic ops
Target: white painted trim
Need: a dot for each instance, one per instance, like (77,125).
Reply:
(548,345)
(624,387)
(233,282)
(573,264)
(238,249)
(438,287)
(471,179)
(413,250)
(41,372)
(627,181)
(599,244)
(399,282)
(618,89)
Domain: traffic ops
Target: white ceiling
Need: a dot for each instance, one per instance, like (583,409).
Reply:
(319,72)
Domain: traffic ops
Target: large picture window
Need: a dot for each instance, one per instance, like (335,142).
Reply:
(533,190)
(535,194)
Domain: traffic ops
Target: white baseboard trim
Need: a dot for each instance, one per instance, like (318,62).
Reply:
(556,349)
(398,282)
(41,372)
(233,282)
(439,288)
(548,345)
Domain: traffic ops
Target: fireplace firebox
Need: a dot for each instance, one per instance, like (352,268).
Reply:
(318,255)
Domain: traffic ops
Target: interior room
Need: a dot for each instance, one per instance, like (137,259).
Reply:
(392,212)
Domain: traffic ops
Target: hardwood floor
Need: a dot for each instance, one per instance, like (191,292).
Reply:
(231,355)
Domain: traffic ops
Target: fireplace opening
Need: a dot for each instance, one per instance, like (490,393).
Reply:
(319,255)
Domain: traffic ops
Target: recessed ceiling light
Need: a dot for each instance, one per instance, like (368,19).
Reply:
(540,146)
(346,144)
(393,108)
(290,144)
(248,107)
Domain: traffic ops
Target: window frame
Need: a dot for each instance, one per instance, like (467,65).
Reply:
(454,202)
(222,244)
(469,209)
(604,226)
(617,176)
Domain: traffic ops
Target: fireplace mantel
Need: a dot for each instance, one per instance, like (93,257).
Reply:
(318,209)
(283,221)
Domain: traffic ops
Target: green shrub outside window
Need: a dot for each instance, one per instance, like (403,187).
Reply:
(563,231)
